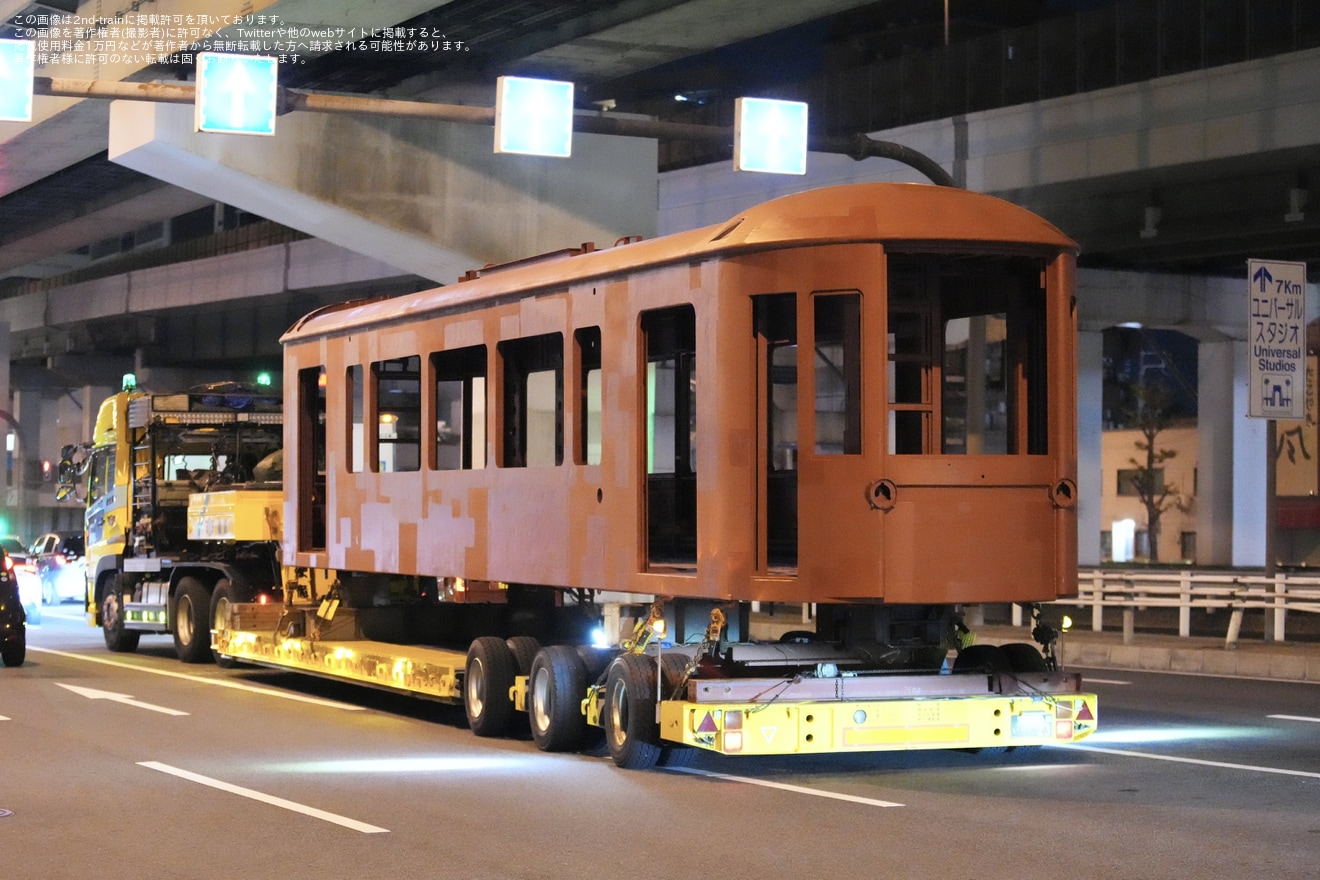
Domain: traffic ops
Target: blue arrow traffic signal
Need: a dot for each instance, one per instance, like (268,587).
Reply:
(236,94)
(17,66)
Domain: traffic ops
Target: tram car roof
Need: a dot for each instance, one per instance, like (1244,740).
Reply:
(879,212)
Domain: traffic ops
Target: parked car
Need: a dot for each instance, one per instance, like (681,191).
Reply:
(60,566)
(24,573)
(13,621)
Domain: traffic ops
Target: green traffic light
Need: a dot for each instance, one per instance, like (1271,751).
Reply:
(263,378)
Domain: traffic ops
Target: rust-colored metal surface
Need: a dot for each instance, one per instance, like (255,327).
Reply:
(856,394)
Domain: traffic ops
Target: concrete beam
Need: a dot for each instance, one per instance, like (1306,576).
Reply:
(431,198)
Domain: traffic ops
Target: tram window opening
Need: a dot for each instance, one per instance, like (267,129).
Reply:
(588,446)
(357,427)
(967,356)
(311,454)
(671,434)
(838,350)
(398,401)
(533,401)
(975,408)
(460,408)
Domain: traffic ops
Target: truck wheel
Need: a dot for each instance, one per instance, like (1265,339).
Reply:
(117,638)
(221,598)
(15,652)
(192,616)
(491,668)
(556,687)
(631,732)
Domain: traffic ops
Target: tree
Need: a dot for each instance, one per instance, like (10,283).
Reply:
(1151,414)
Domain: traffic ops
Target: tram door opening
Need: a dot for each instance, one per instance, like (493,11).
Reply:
(669,338)
(775,322)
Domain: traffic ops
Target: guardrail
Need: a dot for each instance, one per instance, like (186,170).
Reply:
(1189,590)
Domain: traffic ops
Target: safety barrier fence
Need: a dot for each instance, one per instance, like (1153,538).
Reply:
(1188,591)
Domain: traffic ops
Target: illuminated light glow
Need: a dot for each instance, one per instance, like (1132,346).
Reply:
(1294,718)
(265,798)
(659,628)
(1175,734)
(236,94)
(598,638)
(533,117)
(1063,730)
(733,740)
(448,764)
(770,136)
(1255,768)
(783,786)
(17,68)
(1067,623)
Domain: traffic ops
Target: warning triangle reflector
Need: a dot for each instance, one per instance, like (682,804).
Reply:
(769,733)
(1085,714)
(707,725)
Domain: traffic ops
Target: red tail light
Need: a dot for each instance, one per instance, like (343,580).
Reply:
(9,563)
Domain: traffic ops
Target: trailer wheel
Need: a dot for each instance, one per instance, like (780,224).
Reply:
(15,652)
(491,668)
(981,658)
(672,667)
(221,598)
(117,638)
(555,690)
(1022,657)
(631,732)
(192,616)
(524,650)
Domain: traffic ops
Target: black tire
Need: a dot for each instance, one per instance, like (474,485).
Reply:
(192,621)
(15,652)
(632,735)
(799,636)
(491,668)
(117,638)
(221,598)
(672,667)
(556,686)
(1023,657)
(48,594)
(981,658)
(524,650)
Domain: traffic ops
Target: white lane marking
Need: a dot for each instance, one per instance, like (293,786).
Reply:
(1196,674)
(1294,718)
(1086,679)
(93,694)
(1223,764)
(218,682)
(265,798)
(796,789)
(3,718)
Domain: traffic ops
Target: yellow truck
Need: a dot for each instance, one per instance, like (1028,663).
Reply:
(183,505)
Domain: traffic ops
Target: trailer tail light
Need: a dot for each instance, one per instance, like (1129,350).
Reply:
(1063,729)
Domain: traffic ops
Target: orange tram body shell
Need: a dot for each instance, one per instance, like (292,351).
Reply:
(880,408)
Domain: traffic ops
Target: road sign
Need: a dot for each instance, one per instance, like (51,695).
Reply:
(16,70)
(770,136)
(236,94)
(1276,324)
(533,116)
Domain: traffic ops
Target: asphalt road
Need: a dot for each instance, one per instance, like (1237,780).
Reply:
(131,766)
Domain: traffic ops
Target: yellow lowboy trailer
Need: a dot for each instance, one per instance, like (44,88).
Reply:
(828,712)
